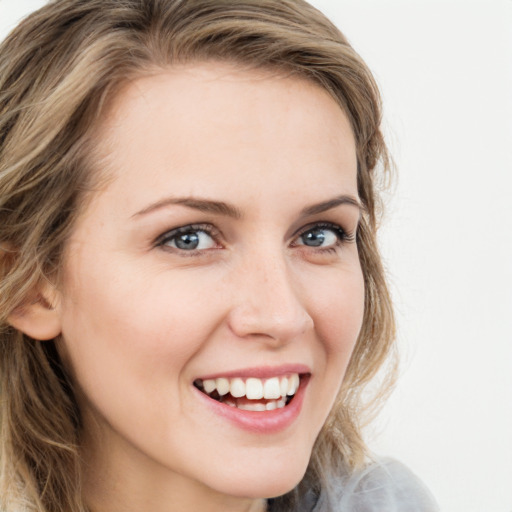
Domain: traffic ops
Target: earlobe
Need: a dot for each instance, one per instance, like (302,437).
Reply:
(39,316)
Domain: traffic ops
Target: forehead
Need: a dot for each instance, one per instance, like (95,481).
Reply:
(213,120)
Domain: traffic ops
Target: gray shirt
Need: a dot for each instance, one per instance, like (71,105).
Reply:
(385,485)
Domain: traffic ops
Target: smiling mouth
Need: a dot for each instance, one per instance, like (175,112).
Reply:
(251,394)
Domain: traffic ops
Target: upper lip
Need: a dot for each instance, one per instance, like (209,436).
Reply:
(261,372)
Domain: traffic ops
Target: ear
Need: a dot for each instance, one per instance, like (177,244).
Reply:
(39,316)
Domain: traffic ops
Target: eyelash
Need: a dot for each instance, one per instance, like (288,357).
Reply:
(173,234)
(342,235)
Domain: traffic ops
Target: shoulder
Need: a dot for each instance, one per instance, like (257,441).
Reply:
(385,485)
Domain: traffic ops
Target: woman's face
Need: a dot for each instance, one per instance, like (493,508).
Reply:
(219,258)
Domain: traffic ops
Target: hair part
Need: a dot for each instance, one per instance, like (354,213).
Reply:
(59,69)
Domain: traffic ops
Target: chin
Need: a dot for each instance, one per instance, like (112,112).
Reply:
(264,487)
(270,480)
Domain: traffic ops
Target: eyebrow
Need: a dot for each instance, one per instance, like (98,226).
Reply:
(222,208)
(203,205)
(332,203)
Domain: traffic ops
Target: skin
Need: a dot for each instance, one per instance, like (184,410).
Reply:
(140,321)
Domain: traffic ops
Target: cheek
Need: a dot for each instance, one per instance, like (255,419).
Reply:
(339,309)
(129,344)
(137,323)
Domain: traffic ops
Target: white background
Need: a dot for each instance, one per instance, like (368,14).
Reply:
(445,70)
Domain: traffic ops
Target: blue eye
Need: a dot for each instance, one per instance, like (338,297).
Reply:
(322,236)
(188,238)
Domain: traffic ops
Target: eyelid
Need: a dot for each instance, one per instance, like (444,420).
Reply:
(209,229)
(344,235)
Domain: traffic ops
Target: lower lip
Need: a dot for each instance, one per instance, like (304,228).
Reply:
(260,422)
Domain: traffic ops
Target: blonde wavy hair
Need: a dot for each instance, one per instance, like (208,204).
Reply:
(58,70)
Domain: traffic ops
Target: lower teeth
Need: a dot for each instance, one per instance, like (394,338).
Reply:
(252,407)
(256,406)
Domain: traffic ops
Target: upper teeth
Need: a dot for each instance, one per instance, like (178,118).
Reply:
(254,388)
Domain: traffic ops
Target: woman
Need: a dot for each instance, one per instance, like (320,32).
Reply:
(192,296)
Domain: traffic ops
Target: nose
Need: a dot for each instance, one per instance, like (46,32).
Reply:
(267,303)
